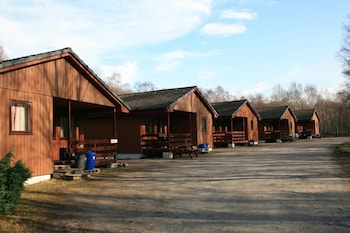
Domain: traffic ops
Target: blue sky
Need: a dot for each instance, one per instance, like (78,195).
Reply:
(245,46)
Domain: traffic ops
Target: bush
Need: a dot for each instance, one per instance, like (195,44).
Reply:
(11,183)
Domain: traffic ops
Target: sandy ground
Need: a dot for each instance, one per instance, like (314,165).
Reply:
(278,187)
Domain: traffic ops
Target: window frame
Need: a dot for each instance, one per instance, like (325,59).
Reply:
(28,115)
(204,124)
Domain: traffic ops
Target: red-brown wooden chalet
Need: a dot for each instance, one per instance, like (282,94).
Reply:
(54,105)
(164,119)
(237,123)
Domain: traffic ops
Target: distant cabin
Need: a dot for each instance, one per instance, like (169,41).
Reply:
(277,123)
(237,123)
(163,119)
(308,124)
(52,106)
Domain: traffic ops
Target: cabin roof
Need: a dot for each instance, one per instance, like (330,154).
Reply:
(73,58)
(275,112)
(230,108)
(164,99)
(305,114)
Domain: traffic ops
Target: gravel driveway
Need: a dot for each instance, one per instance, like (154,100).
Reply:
(278,187)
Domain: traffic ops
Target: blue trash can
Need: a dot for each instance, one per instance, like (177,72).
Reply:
(203,148)
(90,160)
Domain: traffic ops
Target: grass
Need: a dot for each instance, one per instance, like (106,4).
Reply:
(38,204)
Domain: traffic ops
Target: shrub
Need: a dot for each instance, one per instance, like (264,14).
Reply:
(12,180)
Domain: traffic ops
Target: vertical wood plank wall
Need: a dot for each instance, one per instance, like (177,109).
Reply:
(245,111)
(38,84)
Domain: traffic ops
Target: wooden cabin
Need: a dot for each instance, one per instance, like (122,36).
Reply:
(164,119)
(237,123)
(308,124)
(54,106)
(277,123)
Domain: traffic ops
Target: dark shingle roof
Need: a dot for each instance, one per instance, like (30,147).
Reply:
(304,114)
(275,112)
(164,99)
(156,100)
(229,108)
(38,56)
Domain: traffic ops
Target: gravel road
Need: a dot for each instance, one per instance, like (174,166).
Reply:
(277,187)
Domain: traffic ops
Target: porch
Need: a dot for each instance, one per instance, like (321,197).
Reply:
(229,138)
(229,131)
(155,144)
(82,127)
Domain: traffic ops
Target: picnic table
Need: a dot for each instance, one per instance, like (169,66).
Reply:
(188,149)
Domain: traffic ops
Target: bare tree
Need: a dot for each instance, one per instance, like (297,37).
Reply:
(279,96)
(114,83)
(218,94)
(258,100)
(144,86)
(311,95)
(3,55)
(344,54)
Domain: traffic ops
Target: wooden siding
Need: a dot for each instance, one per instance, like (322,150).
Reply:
(192,103)
(252,130)
(56,78)
(128,133)
(38,84)
(34,149)
(291,122)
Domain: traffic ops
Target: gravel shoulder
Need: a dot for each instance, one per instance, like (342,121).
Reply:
(278,187)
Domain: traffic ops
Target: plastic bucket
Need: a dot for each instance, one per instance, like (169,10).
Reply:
(80,161)
(90,160)
(203,147)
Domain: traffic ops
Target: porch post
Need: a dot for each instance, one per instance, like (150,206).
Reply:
(69,128)
(114,122)
(168,130)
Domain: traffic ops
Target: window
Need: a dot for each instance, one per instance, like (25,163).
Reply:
(149,125)
(204,124)
(251,124)
(64,127)
(20,117)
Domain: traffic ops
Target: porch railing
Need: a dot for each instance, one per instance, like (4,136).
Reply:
(105,149)
(225,138)
(161,142)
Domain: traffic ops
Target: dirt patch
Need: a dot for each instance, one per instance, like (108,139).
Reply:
(278,187)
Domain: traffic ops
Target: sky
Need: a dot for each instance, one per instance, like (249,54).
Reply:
(245,46)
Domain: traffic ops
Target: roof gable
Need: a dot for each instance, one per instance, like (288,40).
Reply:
(275,112)
(74,60)
(230,108)
(305,114)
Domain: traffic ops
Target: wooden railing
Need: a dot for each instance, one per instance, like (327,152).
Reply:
(161,142)
(105,149)
(225,138)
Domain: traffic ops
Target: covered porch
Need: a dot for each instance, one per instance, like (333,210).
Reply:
(276,130)
(230,131)
(164,132)
(79,127)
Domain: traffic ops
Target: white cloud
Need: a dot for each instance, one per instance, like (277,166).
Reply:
(220,29)
(170,60)
(128,71)
(95,26)
(234,14)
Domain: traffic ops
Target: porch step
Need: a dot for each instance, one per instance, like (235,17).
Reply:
(73,173)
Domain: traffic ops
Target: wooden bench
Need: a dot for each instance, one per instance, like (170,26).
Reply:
(185,149)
